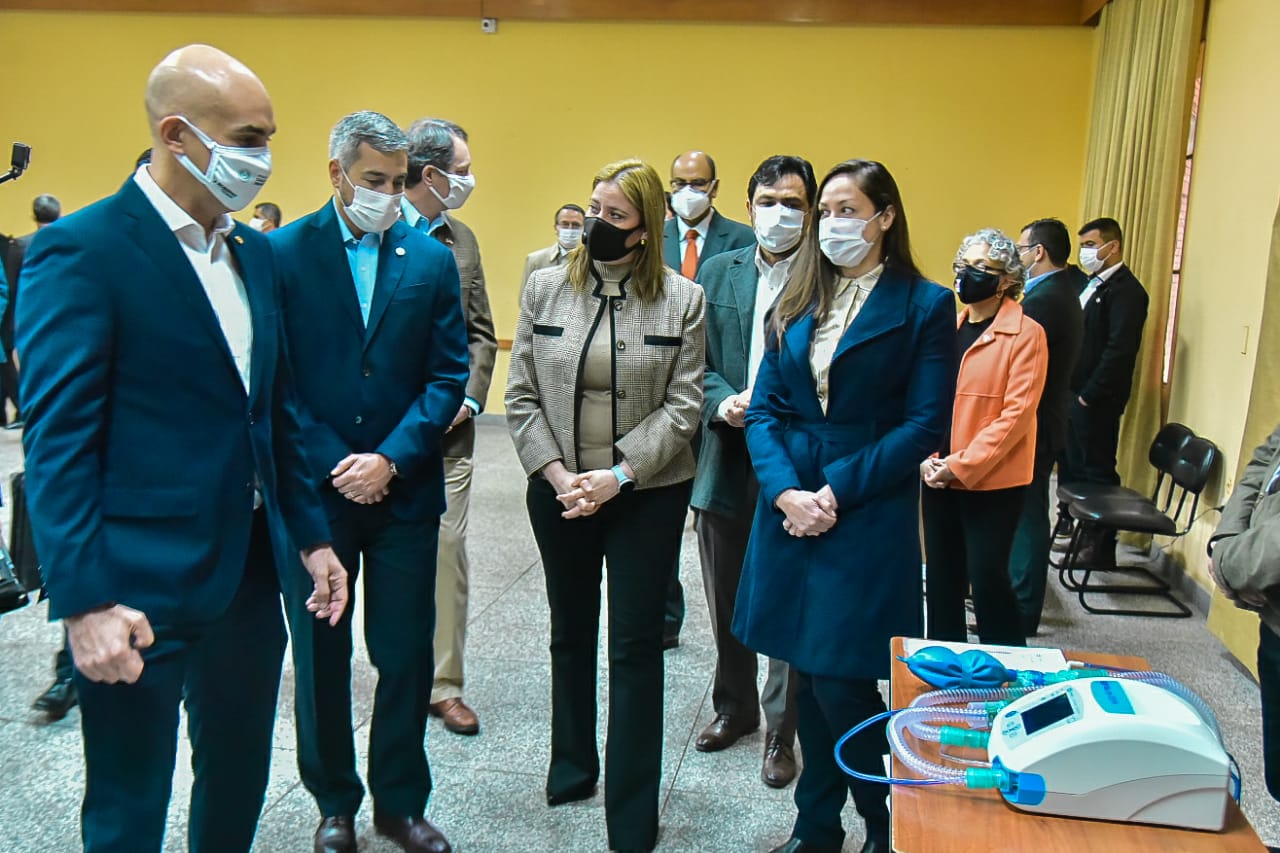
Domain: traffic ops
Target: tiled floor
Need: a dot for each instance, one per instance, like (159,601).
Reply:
(489,789)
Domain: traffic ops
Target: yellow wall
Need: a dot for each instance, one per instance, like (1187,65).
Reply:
(980,126)
(1234,193)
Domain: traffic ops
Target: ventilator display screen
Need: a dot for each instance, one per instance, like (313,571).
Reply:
(1046,713)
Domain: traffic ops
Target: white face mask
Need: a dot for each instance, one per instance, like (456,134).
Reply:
(778,228)
(1089,260)
(842,241)
(460,188)
(371,211)
(689,203)
(569,238)
(235,175)
(257,224)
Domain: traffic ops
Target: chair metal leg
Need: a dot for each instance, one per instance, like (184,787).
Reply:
(1157,588)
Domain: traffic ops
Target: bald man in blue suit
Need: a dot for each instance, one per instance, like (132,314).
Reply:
(164,476)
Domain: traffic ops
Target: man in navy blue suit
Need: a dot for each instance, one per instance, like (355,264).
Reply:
(163,462)
(374,325)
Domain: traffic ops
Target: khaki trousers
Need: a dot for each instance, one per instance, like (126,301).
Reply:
(452,571)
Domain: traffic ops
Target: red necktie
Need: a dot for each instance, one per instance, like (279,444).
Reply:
(689,268)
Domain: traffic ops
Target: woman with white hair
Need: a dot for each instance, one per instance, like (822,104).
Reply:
(977,479)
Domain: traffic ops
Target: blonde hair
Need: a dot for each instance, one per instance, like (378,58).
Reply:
(642,187)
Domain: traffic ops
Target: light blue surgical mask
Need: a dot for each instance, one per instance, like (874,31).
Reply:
(235,175)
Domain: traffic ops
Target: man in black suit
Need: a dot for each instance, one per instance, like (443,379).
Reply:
(1052,300)
(1115,310)
(695,234)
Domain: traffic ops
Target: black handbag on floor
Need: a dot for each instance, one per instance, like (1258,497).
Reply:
(21,556)
(12,593)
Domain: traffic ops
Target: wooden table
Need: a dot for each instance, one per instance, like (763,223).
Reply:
(955,819)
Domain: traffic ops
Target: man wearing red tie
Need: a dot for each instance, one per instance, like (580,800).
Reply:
(695,233)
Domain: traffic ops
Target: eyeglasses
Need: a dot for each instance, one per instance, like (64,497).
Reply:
(960,266)
(1026,248)
(700,184)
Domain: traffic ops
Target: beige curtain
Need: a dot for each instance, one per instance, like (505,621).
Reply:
(1238,629)
(1137,153)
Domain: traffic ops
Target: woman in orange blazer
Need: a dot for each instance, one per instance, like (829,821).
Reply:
(975,484)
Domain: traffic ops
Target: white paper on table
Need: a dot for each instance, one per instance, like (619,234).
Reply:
(1013,657)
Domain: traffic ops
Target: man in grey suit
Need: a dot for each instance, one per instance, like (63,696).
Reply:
(741,287)
(440,181)
(694,235)
(570,219)
(1244,561)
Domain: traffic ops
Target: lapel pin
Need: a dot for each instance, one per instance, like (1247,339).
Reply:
(400,251)
(239,239)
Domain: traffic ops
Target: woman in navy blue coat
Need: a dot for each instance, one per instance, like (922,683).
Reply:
(854,390)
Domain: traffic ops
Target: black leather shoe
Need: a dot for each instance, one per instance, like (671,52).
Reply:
(670,641)
(876,845)
(336,835)
(57,700)
(14,425)
(413,834)
(573,795)
(724,732)
(795,845)
(779,767)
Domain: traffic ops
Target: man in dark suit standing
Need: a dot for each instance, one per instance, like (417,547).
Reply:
(440,181)
(1051,299)
(741,286)
(45,210)
(694,235)
(374,326)
(1115,310)
(163,459)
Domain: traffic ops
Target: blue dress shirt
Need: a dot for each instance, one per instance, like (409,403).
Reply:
(362,255)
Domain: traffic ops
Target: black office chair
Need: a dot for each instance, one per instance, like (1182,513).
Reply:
(1171,515)
(1163,450)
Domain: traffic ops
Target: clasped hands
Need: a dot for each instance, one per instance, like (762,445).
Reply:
(936,473)
(583,494)
(735,410)
(807,513)
(107,643)
(363,478)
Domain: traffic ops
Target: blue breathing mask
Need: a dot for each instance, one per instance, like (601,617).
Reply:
(945,669)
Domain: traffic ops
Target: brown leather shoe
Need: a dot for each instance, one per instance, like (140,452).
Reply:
(413,834)
(779,767)
(458,718)
(724,731)
(336,835)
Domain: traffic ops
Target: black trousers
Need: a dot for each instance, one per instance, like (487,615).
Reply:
(722,545)
(636,535)
(828,707)
(1269,684)
(1093,436)
(967,539)
(228,670)
(398,560)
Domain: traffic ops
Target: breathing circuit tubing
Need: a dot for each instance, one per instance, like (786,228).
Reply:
(981,707)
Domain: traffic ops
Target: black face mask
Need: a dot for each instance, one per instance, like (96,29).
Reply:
(605,241)
(974,285)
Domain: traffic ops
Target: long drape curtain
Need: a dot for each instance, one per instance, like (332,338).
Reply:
(1136,157)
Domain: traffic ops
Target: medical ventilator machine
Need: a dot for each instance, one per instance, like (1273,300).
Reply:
(1087,743)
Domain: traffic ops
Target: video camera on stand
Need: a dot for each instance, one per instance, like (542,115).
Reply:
(18,163)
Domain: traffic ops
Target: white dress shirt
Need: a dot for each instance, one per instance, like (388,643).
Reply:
(769,282)
(1099,278)
(682,230)
(213,265)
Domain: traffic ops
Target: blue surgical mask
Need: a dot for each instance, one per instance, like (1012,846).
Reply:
(235,175)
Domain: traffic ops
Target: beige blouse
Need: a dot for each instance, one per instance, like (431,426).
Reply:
(851,294)
(595,418)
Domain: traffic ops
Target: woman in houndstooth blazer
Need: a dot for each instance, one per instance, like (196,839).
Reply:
(603,398)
